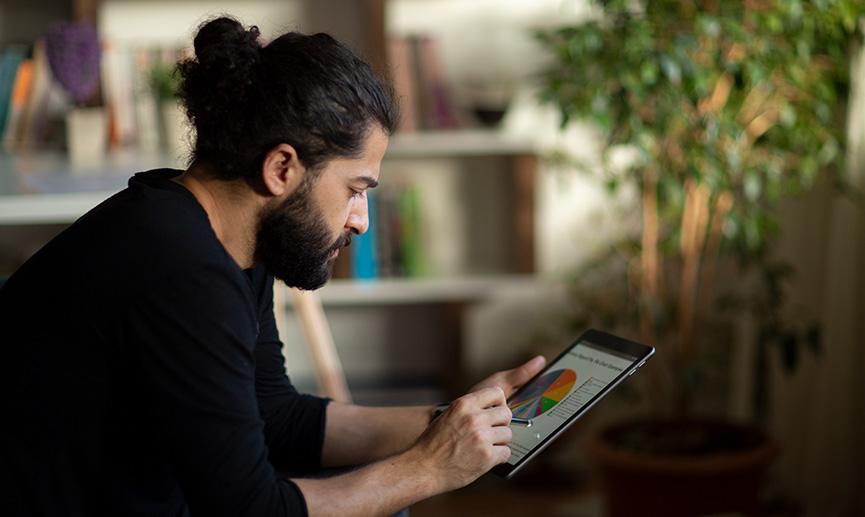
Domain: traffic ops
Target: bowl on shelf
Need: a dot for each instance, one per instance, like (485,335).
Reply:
(489,116)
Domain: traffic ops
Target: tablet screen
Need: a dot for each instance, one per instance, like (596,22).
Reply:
(568,385)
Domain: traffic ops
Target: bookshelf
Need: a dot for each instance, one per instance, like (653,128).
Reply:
(32,181)
(401,291)
(464,142)
(495,174)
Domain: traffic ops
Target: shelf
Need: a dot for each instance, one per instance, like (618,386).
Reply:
(48,208)
(407,291)
(464,142)
(44,188)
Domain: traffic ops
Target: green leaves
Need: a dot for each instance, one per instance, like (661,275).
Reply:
(164,82)
(646,74)
(672,70)
(745,100)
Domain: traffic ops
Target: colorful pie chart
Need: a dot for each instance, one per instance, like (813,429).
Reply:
(543,394)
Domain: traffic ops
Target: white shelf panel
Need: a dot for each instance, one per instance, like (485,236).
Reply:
(48,208)
(406,291)
(463,142)
(45,188)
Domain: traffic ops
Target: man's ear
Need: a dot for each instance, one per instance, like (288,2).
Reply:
(281,171)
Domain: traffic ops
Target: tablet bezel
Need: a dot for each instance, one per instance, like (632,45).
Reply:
(598,339)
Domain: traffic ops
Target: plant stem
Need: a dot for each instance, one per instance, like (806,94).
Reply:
(693,234)
(722,206)
(650,277)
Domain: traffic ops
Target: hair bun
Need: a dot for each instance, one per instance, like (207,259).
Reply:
(225,40)
(222,74)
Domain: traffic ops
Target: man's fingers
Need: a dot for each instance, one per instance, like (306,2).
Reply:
(487,397)
(502,453)
(499,415)
(521,375)
(501,435)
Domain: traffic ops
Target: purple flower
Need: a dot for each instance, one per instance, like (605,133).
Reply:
(73,55)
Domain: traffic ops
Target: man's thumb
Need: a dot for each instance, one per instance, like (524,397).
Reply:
(530,369)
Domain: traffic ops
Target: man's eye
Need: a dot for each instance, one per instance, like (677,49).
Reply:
(356,193)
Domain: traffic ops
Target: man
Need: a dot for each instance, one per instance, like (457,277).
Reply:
(143,374)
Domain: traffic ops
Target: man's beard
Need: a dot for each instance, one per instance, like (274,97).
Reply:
(293,242)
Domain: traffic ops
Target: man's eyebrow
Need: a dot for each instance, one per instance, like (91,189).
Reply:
(369,180)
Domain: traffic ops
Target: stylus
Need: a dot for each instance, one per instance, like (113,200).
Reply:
(522,421)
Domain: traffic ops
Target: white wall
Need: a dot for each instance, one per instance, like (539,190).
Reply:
(167,23)
(818,412)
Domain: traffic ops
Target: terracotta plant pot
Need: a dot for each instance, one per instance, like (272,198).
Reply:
(677,468)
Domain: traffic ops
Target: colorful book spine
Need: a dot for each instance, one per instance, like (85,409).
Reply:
(20,95)
(10,61)
(118,71)
(34,118)
(146,108)
(393,244)
(421,105)
(439,108)
(427,97)
(385,211)
(364,253)
(410,233)
(402,76)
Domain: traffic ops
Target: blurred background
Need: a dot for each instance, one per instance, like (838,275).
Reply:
(686,174)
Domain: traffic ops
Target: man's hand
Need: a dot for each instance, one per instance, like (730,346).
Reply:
(458,447)
(467,440)
(512,380)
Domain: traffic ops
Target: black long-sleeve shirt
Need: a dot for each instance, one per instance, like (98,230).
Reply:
(142,372)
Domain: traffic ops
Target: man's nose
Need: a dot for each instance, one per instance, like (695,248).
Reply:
(358,218)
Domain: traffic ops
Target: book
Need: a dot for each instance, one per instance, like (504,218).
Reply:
(364,252)
(35,114)
(419,83)
(118,76)
(146,105)
(412,253)
(393,245)
(384,239)
(435,93)
(23,80)
(421,105)
(10,60)
(134,108)
(402,76)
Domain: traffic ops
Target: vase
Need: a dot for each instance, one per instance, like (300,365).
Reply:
(682,468)
(86,136)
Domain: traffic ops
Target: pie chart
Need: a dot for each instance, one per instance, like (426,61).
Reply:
(543,394)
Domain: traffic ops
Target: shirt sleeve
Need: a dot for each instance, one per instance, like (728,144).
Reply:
(193,340)
(294,423)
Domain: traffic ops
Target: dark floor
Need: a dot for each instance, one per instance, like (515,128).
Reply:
(532,493)
(544,492)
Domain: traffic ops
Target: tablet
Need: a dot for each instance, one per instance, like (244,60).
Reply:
(572,383)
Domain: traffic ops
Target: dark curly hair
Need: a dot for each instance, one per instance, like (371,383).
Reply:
(309,91)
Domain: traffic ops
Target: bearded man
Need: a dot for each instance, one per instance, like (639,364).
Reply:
(143,372)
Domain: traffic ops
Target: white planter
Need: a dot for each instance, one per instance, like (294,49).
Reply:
(86,135)
(175,128)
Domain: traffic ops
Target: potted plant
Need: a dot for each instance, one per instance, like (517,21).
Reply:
(73,54)
(165,85)
(725,108)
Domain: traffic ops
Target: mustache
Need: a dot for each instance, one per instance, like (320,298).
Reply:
(343,241)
